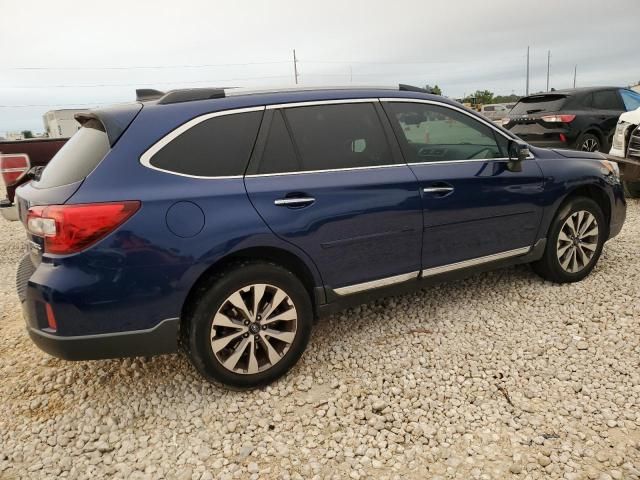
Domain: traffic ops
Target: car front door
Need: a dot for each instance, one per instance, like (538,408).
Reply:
(476,209)
(326,178)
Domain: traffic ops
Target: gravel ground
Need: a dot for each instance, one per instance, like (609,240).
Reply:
(498,376)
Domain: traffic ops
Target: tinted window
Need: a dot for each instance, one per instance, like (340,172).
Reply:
(432,133)
(539,103)
(216,147)
(77,158)
(279,155)
(338,136)
(606,100)
(631,99)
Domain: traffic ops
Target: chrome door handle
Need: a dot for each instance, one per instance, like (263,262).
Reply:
(437,189)
(294,201)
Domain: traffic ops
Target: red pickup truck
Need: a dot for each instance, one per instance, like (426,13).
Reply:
(19,161)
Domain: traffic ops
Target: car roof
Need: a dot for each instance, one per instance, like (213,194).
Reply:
(572,91)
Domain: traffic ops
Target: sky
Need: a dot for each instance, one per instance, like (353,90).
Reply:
(71,53)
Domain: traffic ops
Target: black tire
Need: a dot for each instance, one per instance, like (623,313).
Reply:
(588,142)
(632,189)
(549,266)
(197,338)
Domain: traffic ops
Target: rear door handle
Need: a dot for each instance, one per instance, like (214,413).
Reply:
(438,189)
(293,202)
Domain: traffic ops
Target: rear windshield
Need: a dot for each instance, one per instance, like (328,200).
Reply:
(539,103)
(77,158)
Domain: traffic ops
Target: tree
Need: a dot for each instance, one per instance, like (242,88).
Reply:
(483,97)
(435,89)
(27,134)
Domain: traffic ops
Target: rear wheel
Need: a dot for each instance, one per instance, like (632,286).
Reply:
(632,189)
(588,142)
(250,326)
(574,243)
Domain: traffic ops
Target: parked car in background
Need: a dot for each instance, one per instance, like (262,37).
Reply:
(580,118)
(17,158)
(495,112)
(626,151)
(227,222)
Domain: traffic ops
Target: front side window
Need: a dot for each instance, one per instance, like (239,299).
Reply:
(631,99)
(217,147)
(430,133)
(338,136)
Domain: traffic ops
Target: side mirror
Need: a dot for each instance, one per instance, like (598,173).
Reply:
(518,151)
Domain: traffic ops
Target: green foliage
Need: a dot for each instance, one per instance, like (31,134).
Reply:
(435,89)
(27,134)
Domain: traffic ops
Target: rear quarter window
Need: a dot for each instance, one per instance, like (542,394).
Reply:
(216,147)
(77,158)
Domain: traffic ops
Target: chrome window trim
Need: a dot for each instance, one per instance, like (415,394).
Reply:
(329,170)
(382,282)
(428,272)
(313,103)
(145,158)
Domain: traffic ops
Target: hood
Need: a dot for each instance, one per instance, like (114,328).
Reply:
(631,117)
(579,154)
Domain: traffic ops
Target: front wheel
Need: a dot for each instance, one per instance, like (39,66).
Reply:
(250,326)
(574,243)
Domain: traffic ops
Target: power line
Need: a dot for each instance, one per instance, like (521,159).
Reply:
(149,67)
(145,84)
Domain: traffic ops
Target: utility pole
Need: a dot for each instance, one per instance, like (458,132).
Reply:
(527,89)
(548,67)
(575,73)
(295,66)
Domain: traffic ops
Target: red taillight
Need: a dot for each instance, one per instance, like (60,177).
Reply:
(71,228)
(13,166)
(558,118)
(51,318)
(563,138)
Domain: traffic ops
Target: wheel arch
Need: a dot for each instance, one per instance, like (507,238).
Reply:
(593,191)
(279,256)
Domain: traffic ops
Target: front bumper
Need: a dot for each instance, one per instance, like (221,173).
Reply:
(160,338)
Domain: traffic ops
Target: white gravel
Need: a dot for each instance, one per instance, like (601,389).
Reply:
(499,376)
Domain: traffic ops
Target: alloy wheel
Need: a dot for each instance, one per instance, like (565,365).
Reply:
(253,328)
(590,145)
(577,241)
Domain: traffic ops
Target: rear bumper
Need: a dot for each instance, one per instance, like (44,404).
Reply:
(154,341)
(122,341)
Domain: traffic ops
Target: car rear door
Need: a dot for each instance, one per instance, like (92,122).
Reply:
(325,178)
(475,209)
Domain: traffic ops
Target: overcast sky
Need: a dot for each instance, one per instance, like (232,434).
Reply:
(63,53)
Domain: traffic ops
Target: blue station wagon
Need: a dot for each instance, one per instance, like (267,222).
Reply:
(225,223)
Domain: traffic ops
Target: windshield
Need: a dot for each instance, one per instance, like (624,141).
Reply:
(539,103)
(77,158)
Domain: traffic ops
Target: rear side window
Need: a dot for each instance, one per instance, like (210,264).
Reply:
(338,136)
(539,103)
(77,158)
(606,100)
(217,147)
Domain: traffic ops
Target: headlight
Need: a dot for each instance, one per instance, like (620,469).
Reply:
(619,135)
(610,168)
